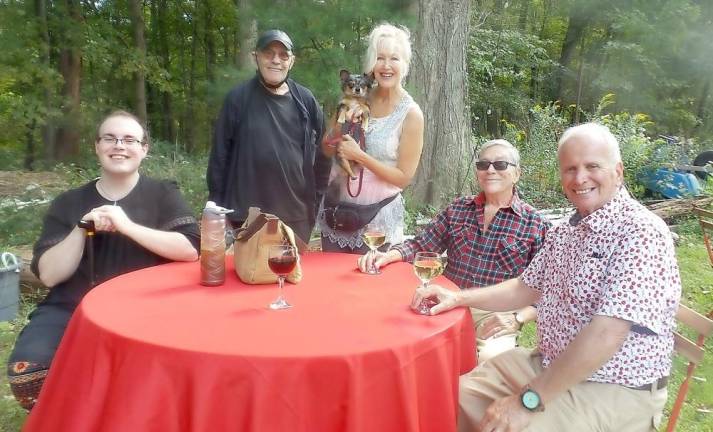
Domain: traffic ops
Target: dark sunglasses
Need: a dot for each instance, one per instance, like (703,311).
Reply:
(483,165)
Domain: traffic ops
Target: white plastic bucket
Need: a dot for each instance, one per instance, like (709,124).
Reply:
(10,266)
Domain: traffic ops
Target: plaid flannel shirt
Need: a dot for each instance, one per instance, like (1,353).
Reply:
(475,257)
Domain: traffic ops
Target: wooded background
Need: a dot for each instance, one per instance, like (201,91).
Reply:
(481,68)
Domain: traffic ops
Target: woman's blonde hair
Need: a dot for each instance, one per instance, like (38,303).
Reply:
(401,37)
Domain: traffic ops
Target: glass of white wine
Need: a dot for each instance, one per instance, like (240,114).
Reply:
(427,266)
(374,236)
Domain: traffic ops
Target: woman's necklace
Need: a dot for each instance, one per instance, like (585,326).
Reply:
(109,196)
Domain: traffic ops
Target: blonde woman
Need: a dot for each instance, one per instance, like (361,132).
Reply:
(394,140)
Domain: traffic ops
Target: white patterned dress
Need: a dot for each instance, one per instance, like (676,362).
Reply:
(382,142)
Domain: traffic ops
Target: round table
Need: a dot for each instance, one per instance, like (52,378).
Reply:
(154,350)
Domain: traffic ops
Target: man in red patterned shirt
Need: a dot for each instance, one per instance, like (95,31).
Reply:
(489,238)
(607,286)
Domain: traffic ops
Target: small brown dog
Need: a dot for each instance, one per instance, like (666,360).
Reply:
(355,89)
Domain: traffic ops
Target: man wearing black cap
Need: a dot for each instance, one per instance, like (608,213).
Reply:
(266,144)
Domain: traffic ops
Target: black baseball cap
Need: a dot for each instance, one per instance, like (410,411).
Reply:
(271,36)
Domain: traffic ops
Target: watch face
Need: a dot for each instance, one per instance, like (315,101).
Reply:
(530,400)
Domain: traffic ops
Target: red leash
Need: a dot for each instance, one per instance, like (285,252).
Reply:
(355,129)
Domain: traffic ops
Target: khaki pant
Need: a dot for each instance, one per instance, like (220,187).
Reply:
(489,348)
(587,406)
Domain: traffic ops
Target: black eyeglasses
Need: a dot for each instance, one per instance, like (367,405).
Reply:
(128,141)
(483,165)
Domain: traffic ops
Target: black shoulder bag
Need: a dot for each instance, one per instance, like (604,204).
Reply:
(350,217)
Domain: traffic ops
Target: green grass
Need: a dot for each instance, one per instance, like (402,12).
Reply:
(11,415)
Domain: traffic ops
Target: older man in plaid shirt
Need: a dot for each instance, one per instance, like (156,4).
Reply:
(489,238)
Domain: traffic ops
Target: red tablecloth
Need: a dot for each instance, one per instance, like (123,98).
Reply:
(155,351)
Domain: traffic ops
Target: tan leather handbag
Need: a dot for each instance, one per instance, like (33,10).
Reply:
(252,244)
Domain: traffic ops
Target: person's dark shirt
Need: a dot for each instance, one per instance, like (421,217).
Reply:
(152,203)
(266,153)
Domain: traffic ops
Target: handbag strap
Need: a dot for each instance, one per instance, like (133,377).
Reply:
(246,233)
(387,200)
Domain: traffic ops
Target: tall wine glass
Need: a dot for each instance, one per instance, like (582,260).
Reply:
(282,259)
(374,236)
(427,266)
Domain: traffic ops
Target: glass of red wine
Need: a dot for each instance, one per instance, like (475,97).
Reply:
(282,259)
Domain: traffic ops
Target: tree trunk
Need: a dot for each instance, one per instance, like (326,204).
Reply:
(438,77)
(209,41)
(522,15)
(190,118)
(136,13)
(701,105)
(247,26)
(169,125)
(48,132)
(579,18)
(30,147)
(70,67)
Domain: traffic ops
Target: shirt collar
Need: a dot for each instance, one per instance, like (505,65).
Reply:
(515,203)
(600,219)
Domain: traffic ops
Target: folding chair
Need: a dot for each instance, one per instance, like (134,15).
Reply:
(705,218)
(693,352)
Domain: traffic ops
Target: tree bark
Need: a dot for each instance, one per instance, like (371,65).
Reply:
(247,37)
(209,41)
(579,18)
(522,15)
(701,105)
(438,77)
(70,66)
(190,118)
(169,125)
(48,132)
(138,29)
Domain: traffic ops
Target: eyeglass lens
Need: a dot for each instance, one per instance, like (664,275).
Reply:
(270,54)
(483,165)
(126,141)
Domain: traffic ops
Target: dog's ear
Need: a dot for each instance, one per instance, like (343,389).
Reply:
(344,74)
(370,78)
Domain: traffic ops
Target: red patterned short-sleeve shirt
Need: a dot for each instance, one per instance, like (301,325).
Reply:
(620,262)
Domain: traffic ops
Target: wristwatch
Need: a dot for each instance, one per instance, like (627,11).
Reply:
(519,320)
(531,400)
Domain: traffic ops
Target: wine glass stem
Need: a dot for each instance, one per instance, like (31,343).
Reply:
(281,283)
(372,268)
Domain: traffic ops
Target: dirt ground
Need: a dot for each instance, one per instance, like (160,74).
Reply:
(14,183)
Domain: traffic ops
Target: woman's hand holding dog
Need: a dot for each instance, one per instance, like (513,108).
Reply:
(349,149)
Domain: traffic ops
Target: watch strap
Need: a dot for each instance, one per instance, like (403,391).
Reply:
(528,392)
(518,319)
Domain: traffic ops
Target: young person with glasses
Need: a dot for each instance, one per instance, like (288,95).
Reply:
(137,222)
(266,143)
(489,238)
